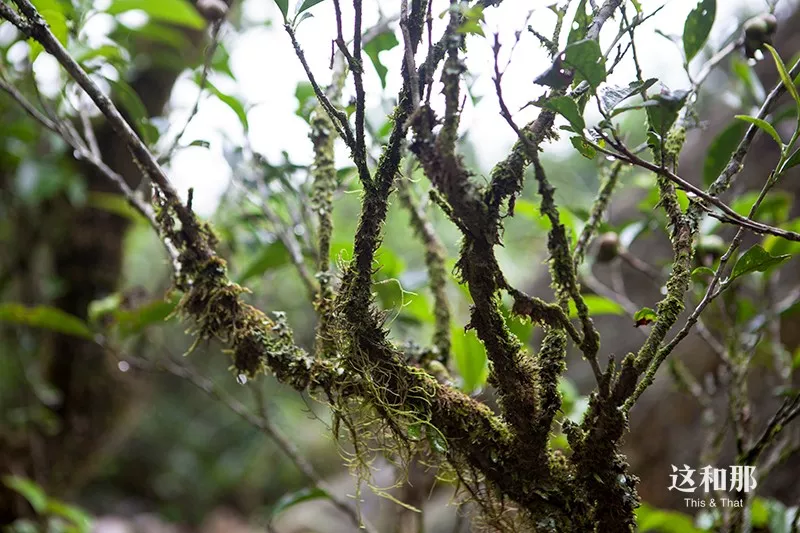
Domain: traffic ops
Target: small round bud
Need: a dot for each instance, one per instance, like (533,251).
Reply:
(212,10)
(759,31)
(771,21)
(608,248)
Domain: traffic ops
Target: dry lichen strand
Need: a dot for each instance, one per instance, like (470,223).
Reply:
(257,342)
(214,304)
(475,436)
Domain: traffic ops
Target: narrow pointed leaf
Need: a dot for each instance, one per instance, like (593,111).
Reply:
(308,4)
(763,125)
(46,317)
(784,74)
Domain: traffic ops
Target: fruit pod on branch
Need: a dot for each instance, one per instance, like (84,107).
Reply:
(759,31)
(212,10)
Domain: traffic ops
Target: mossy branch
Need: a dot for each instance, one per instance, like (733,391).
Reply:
(324,172)
(562,269)
(512,370)
(599,207)
(435,256)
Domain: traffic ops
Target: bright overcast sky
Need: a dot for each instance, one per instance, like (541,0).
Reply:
(267,72)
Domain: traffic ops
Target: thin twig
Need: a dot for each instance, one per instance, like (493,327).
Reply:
(590,341)
(286,237)
(339,118)
(410,65)
(435,255)
(599,207)
(36,28)
(209,57)
(263,423)
(26,106)
(88,132)
(625,154)
(88,155)
(358,77)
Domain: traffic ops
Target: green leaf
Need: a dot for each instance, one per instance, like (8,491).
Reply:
(115,203)
(774,208)
(306,100)
(55,15)
(702,273)
(759,514)
(179,12)
(470,360)
(778,246)
(763,125)
(612,95)
(598,305)
(300,18)
(81,521)
(793,161)
(133,321)
(635,107)
(587,60)
(436,440)
(785,78)
(417,309)
(721,149)
(568,108)
(62,6)
(414,431)
(569,394)
(631,233)
(283,5)
(45,317)
(28,490)
(522,329)
(111,52)
(133,106)
(268,258)
(158,33)
(649,518)
(745,73)
(471,27)
(780,518)
(580,24)
(233,103)
(300,496)
(104,306)
(697,27)
(308,4)
(583,147)
(664,113)
(221,61)
(382,42)
(644,316)
(756,259)
(38,179)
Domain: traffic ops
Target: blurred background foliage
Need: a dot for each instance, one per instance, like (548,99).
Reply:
(167,448)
